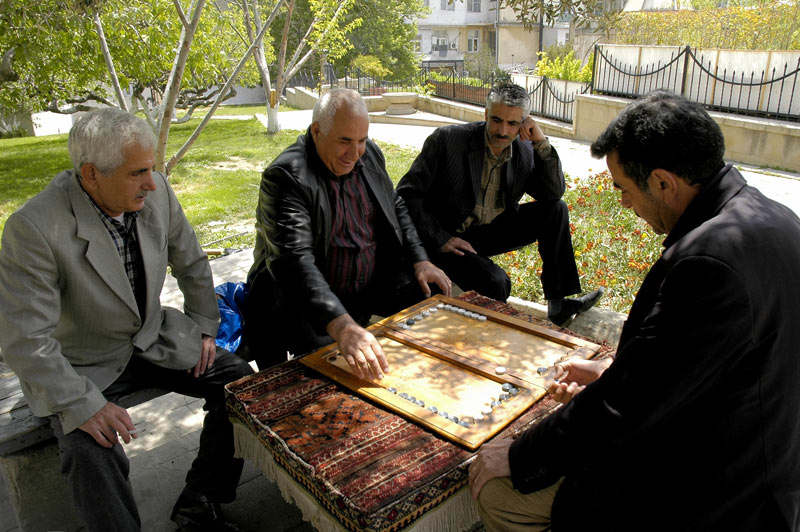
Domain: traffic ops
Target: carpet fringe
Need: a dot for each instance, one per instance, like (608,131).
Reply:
(248,446)
(458,514)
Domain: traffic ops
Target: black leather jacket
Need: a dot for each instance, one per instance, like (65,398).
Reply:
(293,227)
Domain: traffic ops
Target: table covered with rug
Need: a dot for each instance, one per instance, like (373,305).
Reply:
(347,463)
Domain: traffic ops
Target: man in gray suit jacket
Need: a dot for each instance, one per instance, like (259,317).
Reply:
(82,265)
(463,192)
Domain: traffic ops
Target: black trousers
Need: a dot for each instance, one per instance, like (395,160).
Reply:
(98,477)
(547,222)
(270,334)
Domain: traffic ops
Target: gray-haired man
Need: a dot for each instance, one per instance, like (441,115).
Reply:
(81,270)
(463,193)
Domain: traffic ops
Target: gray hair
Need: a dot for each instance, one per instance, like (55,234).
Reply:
(100,137)
(332,101)
(511,95)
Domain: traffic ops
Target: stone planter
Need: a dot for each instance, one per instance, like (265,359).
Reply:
(400,103)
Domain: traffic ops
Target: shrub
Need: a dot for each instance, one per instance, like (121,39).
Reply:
(770,27)
(567,67)
(371,66)
(613,247)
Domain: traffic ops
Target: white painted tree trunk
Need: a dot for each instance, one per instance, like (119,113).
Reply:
(273,124)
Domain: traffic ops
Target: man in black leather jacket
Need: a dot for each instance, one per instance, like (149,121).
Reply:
(334,244)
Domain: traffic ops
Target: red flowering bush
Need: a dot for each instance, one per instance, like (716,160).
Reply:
(613,247)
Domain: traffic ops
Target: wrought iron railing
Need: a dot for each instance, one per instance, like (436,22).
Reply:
(554,99)
(699,76)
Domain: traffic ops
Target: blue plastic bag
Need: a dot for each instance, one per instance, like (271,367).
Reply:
(230,297)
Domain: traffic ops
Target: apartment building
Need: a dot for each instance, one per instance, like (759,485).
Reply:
(455,29)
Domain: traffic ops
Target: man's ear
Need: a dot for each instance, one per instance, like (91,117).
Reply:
(89,176)
(664,184)
(315,129)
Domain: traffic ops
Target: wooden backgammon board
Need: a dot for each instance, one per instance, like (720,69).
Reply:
(458,369)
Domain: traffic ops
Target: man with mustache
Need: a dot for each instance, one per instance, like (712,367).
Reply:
(82,266)
(463,192)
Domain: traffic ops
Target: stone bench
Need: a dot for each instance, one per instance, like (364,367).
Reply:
(29,459)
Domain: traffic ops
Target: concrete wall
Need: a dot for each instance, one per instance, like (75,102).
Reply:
(749,140)
(451,109)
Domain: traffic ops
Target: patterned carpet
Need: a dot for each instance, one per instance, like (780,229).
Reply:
(370,469)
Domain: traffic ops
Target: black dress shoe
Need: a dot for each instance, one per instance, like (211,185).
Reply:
(563,311)
(200,515)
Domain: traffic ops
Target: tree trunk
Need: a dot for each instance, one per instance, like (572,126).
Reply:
(174,83)
(273,124)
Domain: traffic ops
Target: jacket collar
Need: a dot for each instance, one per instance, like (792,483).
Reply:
(101,253)
(708,202)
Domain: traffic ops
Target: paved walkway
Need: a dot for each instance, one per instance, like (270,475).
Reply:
(161,456)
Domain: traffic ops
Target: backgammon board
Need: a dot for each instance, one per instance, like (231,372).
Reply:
(458,369)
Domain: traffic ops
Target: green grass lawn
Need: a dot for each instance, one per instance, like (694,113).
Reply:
(217,184)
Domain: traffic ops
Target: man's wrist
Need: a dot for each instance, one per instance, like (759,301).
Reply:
(543,147)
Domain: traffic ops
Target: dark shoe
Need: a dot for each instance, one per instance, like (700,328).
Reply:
(200,515)
(563,311)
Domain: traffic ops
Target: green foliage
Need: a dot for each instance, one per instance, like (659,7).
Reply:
(371,66)
(566,67)
(558,50)
(463,80)
(583,12)
(426,90)
(613,247)
(773,26)
(58,55)
(386,31)
(481,63)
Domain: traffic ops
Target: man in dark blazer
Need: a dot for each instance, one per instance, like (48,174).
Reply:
(334,245)
(81,271)
(463,193)
(696,423)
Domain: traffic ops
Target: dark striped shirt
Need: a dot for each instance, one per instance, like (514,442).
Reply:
(351,257)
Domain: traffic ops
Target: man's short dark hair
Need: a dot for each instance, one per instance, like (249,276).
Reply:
(509,94)
(662,130)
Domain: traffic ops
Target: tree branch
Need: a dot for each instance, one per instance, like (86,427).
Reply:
(181,14)
(188,144)
(174,84)
(112,72)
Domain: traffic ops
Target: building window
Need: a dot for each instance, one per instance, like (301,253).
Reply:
(474,6)
(439,41)
(448,5)
(472,41)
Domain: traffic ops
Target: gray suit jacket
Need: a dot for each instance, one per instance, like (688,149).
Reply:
(68,317)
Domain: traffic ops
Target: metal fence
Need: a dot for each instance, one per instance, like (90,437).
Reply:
(554,98)
(716,79)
